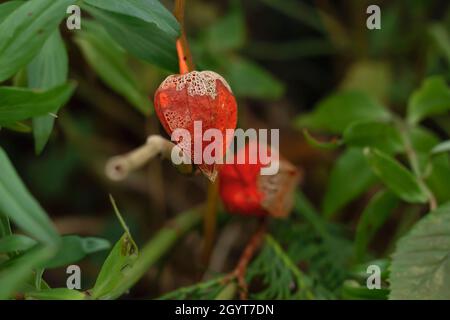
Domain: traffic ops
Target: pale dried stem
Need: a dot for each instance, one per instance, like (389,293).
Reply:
(119,167)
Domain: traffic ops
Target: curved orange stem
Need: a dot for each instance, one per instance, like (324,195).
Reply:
(184,53)
(182,59)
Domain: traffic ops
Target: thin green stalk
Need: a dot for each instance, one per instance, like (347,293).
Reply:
(183,291)
(158,246)
(414,161)
(228,293)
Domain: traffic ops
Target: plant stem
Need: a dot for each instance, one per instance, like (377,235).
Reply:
(185,291)
(249,251)
(186,64)
(119,167)
(210,220)
(184,53)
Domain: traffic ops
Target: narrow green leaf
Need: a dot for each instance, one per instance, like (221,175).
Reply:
(151,11)
(337,112)
(7,8)
(18,270)
(55,294)
(18,104)
(420,266)
(438,177)
(359,271)
(369,76)
(340,191)
(441,37)
(47,70)
(380,207)
(124,267)
(328,145)
(395,176)
(75,248)
(120,259)
(109,61)
(302,11)
(17,203)
(16,242)
(18,127)
(432,98)
(25,30)
(423,141)
(442,147)
(142,39)
(250,80)
(5,227)
(228,33)
(380,135)
(352,290)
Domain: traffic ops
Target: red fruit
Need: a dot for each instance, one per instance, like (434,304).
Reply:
(196,96)
(245,191)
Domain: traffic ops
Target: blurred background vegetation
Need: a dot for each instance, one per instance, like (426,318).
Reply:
(280,58)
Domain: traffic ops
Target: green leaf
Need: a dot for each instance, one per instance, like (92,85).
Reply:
(442,147)
(151,11)
(380,135)
(250,80)
(18,270)
(17,203)
(124,266)
(371,77)
(47,70)
(16,242)
(18,127)
(120,259)
(423,140)
(144,40)
(25,30)
(329,145)
(337,112)
(7,8)
(18,104)
(75,248)
(432,98)
(438,178)
(436,167)
(5,227)
(228,33)
(420,266)
(395,176)
(339,191)
(359,271)
(301,11)
(55,294)
(441,37)
(372,219)
(109,62)
(352,290)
